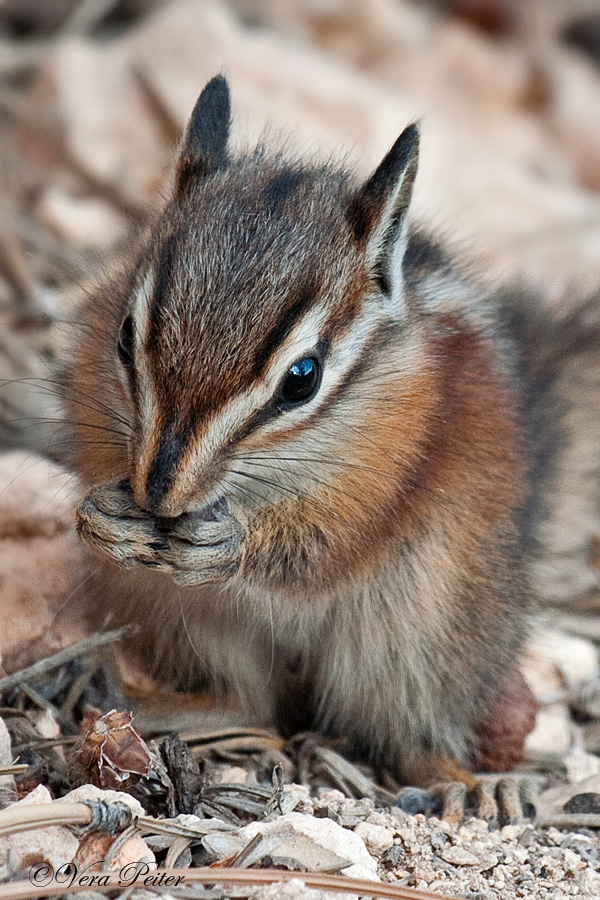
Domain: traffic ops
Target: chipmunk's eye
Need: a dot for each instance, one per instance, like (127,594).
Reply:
(301,382)
(125,342)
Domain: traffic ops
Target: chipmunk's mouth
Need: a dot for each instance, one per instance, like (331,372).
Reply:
(209,512)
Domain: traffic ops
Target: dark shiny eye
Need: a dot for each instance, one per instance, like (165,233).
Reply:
(301,382)
(125,343)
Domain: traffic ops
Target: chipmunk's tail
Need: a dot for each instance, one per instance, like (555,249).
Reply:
(559,368)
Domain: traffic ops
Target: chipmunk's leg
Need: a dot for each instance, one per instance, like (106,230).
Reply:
(499,741)
(439,784)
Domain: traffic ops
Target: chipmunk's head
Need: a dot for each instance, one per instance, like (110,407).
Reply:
(268,296)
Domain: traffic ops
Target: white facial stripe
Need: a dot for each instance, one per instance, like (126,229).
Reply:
(140,314)
(342,356)
(141,305)
(302,341)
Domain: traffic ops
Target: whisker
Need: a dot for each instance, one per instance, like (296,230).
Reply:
(314,459)
(62,388)
(282,488)
(313,478)
(66,422)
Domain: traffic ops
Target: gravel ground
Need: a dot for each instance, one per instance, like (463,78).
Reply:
(471,861)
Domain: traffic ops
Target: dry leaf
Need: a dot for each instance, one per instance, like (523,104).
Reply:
(112,753)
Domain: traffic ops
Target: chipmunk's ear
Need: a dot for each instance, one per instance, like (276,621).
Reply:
(204,145)
(378,212)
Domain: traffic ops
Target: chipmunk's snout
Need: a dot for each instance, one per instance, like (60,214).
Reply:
(155,484)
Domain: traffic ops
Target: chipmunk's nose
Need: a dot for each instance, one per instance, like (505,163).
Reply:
(153,487)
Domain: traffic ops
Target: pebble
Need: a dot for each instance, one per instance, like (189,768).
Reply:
(511,832)
(572,862)
(53,844)
(377,838)
(458,856)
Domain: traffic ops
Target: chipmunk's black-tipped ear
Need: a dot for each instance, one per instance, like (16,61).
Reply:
(204,145)
(378,212)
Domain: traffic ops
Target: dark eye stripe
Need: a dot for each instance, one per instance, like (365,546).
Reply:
(304,299)
(125,342)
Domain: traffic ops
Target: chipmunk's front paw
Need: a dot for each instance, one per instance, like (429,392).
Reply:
(195,548)
(202,547)
(111,522)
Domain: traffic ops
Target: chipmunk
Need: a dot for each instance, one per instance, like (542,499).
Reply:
(305,440)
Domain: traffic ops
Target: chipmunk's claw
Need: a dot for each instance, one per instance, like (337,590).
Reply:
(502,800)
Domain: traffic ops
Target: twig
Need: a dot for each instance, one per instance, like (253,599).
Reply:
(245,852)
(42,703)
(86,16)
(16,769)
(46,743)
(338,884)
(81,648)
(76,690)
(569,821)
(28,818)
(179,846)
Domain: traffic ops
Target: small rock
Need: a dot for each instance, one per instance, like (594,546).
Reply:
(54,844)
(376,817)
(554,799)
(377,839)
(586,849)
(6,781)
(91,792)
(458,856)
(511,832)
(322,837)
(589,883)
(527,837)
(438,840)
(393,857)
(521,854)
(572,862)
(588,802)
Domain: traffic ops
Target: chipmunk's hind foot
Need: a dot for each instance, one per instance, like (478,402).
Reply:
(498,799)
